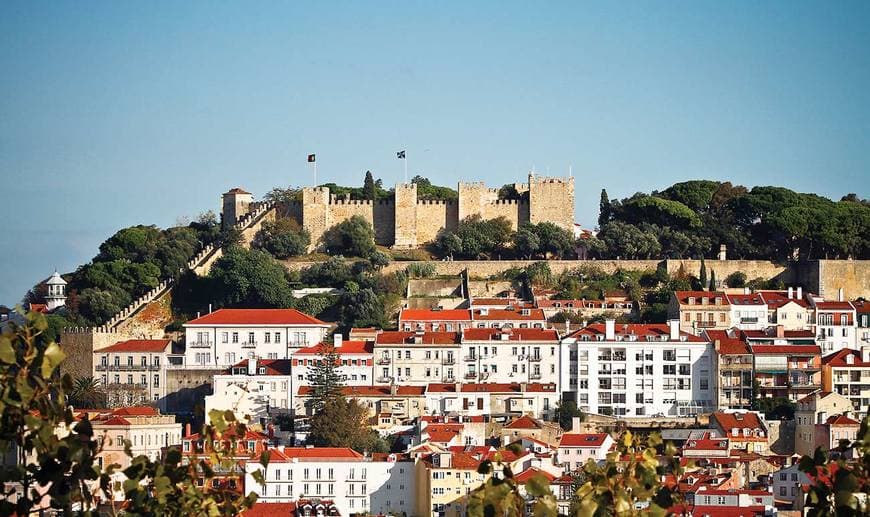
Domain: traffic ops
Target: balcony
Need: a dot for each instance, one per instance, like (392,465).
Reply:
(383,379)
(122,367)
(470,358)
(384,360)
(447,361)
(471,375)
(200,344)
(249,344)
(535,358)
(748,320)
(705,324)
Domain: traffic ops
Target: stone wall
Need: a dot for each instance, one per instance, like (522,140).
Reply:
(515,211)
(853,276)
(780,436)
(406,216)
(751,268)
(79,344)
(433,216)
(187,388)
(552,200)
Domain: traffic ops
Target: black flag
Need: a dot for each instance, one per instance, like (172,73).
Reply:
(400,155)
(310,158)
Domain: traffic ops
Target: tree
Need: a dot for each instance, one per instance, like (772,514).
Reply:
(282,238)
(326,383)
(249,278)
(736,279)
(344,423)
(604,210)
(626,241)
(566,411)
(333,272)
(713,280)
(379,260)
(369,190)
(475,237)
(363,309)
(352,237)
(703,276)
(86,394)
(526,241)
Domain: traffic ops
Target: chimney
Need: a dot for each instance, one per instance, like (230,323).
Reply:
(252,365)
(865,354)
(575,424)
(841,295)
(209,308)
(187,429)
(524,387)
(674,330)
(800,293)
(790,293)
(337,339)
(394,389)
(610,330)
(780,331)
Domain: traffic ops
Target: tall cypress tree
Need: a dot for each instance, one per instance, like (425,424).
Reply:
(713,280)
(703,276)
(604,210)
(369,190)
(326,383)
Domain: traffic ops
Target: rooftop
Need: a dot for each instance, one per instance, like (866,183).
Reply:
(256,317)
(137,345)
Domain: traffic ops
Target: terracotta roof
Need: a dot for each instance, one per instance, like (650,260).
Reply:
(730,342)
(745,299)
(116,420)
(496,301)
(524,422)
(442,436)
(777,299)
(230,433)
(842,420)
(834,306)
(770,333)
(583,439)
(435,315)
(304,453)
(137,345)
(393,337)
(505,314)
(656,330)
(373,391)
(514,387)
(706,444)
(237,190)
(786,349)
(39,307)
(513,334)
(272,366)
(524,476)
(861,306)
(742,420)
(256,317)
(683,297)
(347,348)
(839,359)
(136,411)
(263,509)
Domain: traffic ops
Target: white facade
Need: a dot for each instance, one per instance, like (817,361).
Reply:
(227,336)
(355,483)
(835,326)
(133,372)
(253,389)
(748,311)
(356,366)
(787,484)
(639,370)
(576,449)
(510,355)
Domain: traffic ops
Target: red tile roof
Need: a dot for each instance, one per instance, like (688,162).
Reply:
(309,453)
(508,315)
(442,436)
(834,306)
(272,366)
(861,306)
(513,334)
(706,444)
(346,348)
(842,420)
(392,337)
(524,476)
(582,439)
(683,297)
(524,422)
(137,345)
(777,299)
(257,317)
(263,509)
(742,420)
(637,329)
(730,343)
(435,315)
(372,391)
(839,359)
(493,387)
(770,333)
(786,349)
(746,299)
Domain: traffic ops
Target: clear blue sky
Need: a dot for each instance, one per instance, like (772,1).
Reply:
(118,113)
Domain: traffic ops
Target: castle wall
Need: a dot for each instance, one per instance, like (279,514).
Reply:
(315,213)
(434,216)
(552,200)
(853,276)
(406,216)
(515,211)
(340,210)
(751,268)
(473,197)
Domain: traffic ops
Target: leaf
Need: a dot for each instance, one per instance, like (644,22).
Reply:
(538,486)
(7,353)
(264,459)
(52,357)
(216,417)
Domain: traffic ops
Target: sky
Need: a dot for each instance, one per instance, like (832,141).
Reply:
(121,113)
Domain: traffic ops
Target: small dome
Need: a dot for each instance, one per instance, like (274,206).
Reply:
(55,279)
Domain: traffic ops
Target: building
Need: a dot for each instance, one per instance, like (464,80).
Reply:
(55,295)
(253,389)
(788,308)
(417,358)
(133,372)
(392,402)
(786,371)
(745,430)
(224,337)
(814,410)
(700,310)
(633,370)
(244,451)
(434,320)
(495,399)
(847,373)
(734,366)
(356,362)
(575,449)
(862,317)
(788,484)
(510,355)
(407,221)
(511,317)
(748,311)
(834,325)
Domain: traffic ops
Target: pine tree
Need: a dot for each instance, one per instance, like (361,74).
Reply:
(326,383)
(369,190)
(703,276)
(604,210)
(713,280)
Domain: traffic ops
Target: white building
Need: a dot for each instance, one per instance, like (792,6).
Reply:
(226,336)
(56,295)
(835,325)
(788,308)
(356,366)
(575,449)
(253,389)
(788,483)
(133,371)
(639,370)
(357,484)
(416,358)
(748,311)
(512,399)
(510,355)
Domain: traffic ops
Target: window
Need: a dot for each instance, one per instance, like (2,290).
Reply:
(267,337)
(235,337)
(225,336)
(669,369)
(250,337)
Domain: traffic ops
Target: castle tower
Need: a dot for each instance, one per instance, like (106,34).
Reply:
(552,200)
(315,213)
(56,296)
(236,204)
(406,215)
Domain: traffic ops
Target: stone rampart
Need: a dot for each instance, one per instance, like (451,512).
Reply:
(751,268)
(853,276)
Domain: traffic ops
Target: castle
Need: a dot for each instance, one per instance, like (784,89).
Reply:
(405,221)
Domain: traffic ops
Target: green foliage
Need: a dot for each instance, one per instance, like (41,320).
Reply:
(86,394)
(326,383)
(476,238)
(282,238)
(544,239)
(369,190)
(249,278)
(426,190)
(713,283)
(566,411)
(344,423)
(604,210)
(316,304)
(333,272)
(696,194)
(379,260)
(626,241)
(363,308)
(658,211)
(352,237)
(774,408)
(703,276)
(61,467)
(421,270)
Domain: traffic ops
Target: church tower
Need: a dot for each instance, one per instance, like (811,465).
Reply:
(56,296)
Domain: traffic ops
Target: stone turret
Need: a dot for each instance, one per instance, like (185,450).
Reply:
(236,204)
(552,200)
(406,216)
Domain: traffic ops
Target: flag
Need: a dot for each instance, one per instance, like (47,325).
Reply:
(310,158)
(400,155)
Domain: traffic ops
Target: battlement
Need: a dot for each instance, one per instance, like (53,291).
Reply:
(510,202)
(347,201)
(444,202)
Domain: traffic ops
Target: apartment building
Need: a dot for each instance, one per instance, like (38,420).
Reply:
(575,449)
(812,411)
(511,317)
(834,325)
(748,311)
(700,310)
(498,399)
(417,358)
(847,373)
(253,389)
(356,362)
(244,450)
(788,308)
(390,403)
(862,318)
(224,337)
(505,355)
(746,430)
(734,368)
(785,370)
(639,370)
(434,320)
(133,372)
(356,484)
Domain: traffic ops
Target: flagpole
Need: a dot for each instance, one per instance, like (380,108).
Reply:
(315,171)
(405,160)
